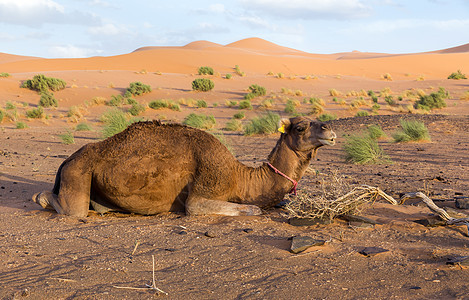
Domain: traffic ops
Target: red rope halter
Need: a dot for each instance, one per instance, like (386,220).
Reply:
(295,183)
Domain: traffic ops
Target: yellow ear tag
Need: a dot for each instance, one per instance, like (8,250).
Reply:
(282,129)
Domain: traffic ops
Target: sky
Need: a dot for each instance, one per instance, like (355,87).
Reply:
(84,28)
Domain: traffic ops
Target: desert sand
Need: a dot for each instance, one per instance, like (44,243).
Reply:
(44,255)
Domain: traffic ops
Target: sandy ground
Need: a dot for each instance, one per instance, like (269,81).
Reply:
(44,255)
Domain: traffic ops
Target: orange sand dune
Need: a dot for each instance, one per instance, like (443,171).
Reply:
(253,56)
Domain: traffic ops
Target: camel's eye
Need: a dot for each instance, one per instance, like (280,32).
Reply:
(300,129)
(324,127)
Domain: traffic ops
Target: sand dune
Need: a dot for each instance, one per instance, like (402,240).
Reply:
(254,55)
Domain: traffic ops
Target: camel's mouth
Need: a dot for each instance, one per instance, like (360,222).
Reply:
(329,142)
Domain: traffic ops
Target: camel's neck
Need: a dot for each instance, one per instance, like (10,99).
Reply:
(263,187)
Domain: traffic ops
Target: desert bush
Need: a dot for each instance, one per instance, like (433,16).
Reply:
(375,132)
(116,100)
(201,104)
(313,100)
(9,106)
(115,121)
(35,113)
(290,107)
(457,75)
(245,104)
(374,99)
(48,99)
(334,93)
(21,125)
(136,109)
(362,113)
(240,115)
(362,149)
(2,115)
(131,101)
(267,103)
(411,130)
(280,75)
(228,76)
(4,74)
(257,90)
(390,100)
(202,84)
(75,112)
(385,92)
(326,117)
(200,121)
(158,104)
(97,101)
(234,125)
(432,101)
(41,83)
(386,76)
(67,138)
(231,103)
(316,109)
(205,71)
(83,127)
(266,124)
(136,89)
(239,72)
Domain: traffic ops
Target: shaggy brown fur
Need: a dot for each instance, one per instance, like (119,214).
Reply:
(151,168)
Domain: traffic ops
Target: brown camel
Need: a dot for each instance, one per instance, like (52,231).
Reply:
(151,168)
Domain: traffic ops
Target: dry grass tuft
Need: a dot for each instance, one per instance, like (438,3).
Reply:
(332,198)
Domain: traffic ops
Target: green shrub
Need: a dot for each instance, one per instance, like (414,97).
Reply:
(239,115)
(48,99)
(205,71)
(411,130)
(116,100)
(10,106)
(202,84)
(131,101)
(201,104)
(136,109)
(137,89)
(257,90)
(249,96)
(200,121)
(245,104)
(362,113)
(158,104)
(389,100)
(83,127)
(234,125)
(266,124)
(2,115)
(375,132)
(228,76)
(67,138)
(363,150)
(35,113)
(42,83)
(239,72)
(434,100)
(371,93)
(3,74)
(115,121)
(21,125)
(231,103)
(457,75)
(174,106)
(316,109)
(290,107)
(221,137)
(374,99)
(326,117)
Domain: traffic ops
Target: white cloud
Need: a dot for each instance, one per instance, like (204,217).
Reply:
(108,30)
(37,12)
(70,51)
(217,8)
(310,9)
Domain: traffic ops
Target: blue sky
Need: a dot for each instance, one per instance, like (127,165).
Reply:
(83,28)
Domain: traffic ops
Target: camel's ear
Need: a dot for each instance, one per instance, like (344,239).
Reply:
(284,125)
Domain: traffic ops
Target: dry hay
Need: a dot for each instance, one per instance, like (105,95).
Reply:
(332,198)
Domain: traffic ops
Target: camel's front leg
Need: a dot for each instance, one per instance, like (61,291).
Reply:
(200,206)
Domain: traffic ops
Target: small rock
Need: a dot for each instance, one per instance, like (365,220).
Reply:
(462,202)
(458,260)
(248,230)
(170,249)
(210,234)
(25,293)
(354,218)
(361,224)
(301,243)
(415,288)
(372,251)
(308,221)
(431,222)
(182,232)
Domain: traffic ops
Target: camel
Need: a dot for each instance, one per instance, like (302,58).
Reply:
(152,168)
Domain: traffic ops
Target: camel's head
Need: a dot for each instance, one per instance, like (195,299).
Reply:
(305,134)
